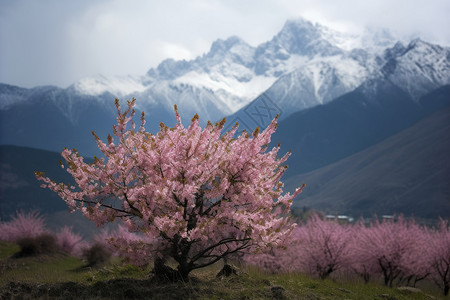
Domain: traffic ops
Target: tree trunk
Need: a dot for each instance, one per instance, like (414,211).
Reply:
(227,271)
(183,272)
(167,274)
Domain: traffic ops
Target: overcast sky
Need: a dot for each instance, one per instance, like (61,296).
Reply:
(56,42)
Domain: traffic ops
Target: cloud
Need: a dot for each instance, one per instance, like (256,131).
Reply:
(58,42)
(417,17)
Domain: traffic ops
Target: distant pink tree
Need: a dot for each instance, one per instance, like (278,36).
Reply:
(363,262)
(70,242)
(439,256)
(393,248)
(276,260)
(322,246)
(319,247)
(22,225)
(197,194)
(121,242)
(416,264)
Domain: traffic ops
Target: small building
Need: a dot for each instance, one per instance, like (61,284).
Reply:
(342,219)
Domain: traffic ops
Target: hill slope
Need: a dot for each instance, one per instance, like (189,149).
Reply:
(327,133)
(407,173)
(19,188)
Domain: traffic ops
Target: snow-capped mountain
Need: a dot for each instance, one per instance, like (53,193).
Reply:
(324,64)
(303,66)
(317,82)
(391,98)
(312,65)
(418,67)
(120,86)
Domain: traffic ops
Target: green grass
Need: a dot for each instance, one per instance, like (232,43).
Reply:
(42,270)
(305,287)
(7,249)
(63,277)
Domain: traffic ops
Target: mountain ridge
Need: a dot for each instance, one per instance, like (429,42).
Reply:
(225,77)
(213,85)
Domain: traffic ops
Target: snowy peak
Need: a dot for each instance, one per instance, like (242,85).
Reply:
(300,41)
(233,44)
(415,48)
(424,51)
(393,52)
(303,38)
(119,86)
(318,81)
(10,95)
(170,69)
(296,35)
(297,38)
(417,68)
(230,51)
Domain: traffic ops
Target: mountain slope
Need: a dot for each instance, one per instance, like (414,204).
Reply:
(21,191)
(407,173)
(52,118)
(327,133)
(19,188)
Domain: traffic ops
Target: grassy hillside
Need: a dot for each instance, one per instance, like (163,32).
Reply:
(64,277)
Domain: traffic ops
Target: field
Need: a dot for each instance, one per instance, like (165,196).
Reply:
(64,277)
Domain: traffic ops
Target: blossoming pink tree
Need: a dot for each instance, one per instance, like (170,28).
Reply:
(394,248)
(323,246)
(196,194)
(22,225)
(363,262)
(318,247)
(439,255)
(70,242)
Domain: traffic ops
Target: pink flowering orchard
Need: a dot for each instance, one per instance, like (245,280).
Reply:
(196,195)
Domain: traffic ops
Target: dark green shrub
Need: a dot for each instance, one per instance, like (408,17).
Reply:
(44,243)
(96,255)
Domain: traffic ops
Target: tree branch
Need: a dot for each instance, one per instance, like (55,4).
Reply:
(221,242)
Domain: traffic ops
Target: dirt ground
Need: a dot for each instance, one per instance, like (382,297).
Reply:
(112,289)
